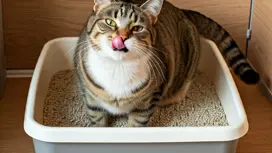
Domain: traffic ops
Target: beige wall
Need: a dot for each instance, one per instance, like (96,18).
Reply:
(28,24)
(260,52)
(2,67)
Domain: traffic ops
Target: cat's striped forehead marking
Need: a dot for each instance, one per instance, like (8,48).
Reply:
(126,11)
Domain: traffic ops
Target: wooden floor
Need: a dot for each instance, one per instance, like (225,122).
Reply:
(14,140)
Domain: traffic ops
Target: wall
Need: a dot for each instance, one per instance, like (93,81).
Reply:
(260,52)
(28,24)
(2,63)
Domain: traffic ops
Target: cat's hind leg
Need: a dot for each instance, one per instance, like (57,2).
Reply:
(178,97)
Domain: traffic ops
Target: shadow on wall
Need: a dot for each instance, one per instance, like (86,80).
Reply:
(260,53)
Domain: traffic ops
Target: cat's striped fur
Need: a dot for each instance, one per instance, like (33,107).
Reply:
(160,64)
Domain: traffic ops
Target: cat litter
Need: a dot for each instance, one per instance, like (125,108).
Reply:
(202,107)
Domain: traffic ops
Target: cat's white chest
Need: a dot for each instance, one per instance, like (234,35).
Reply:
(118,78)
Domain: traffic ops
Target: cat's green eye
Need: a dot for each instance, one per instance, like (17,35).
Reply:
(110,22)
(137,28)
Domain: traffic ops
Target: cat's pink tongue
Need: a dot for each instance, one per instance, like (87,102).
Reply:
(118,43)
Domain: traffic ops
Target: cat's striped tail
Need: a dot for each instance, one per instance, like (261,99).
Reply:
(234,57)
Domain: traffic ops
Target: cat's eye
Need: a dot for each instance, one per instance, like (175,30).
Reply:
(110,22)
(137,28)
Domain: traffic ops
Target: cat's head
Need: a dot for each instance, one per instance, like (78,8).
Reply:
(123,31)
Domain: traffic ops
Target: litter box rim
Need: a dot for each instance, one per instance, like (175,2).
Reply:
(132,135)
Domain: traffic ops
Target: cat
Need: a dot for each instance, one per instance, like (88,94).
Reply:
(135,55)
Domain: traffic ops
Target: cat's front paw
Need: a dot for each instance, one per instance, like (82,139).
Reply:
(134,124)
(134,121)
(102,121)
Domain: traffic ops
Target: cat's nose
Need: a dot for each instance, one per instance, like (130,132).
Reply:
(118,44)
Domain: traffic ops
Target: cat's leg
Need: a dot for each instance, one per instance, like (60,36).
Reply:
(98,115)
(190,43)
(140,117)
(177,97)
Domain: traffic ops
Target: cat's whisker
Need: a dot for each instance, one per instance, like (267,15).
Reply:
(155,56)
(153,48)
(83,48)
(151,65)
(145,48)
(152,57)
(77,55)
(124,77)
(145,60)
(74,47)
(156,64)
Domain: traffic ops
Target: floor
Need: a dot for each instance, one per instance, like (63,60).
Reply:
(14,140)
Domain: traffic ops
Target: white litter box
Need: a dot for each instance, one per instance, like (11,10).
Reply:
(223,139)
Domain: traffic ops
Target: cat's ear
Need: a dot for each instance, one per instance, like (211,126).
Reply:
(99,3)
(153,8)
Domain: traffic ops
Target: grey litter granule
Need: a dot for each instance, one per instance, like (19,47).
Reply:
(202,106)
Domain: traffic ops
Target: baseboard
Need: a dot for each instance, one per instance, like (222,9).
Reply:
(24,73)
(266,91)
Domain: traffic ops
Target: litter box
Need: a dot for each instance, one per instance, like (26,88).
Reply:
(212,139)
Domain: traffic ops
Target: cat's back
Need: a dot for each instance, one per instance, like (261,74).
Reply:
(167,27)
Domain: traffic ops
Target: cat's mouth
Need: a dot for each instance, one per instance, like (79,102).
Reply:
(125,50)
(117,52)
(118,44)
(124,54)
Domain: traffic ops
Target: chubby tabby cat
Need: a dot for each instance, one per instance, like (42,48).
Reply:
(134,55)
